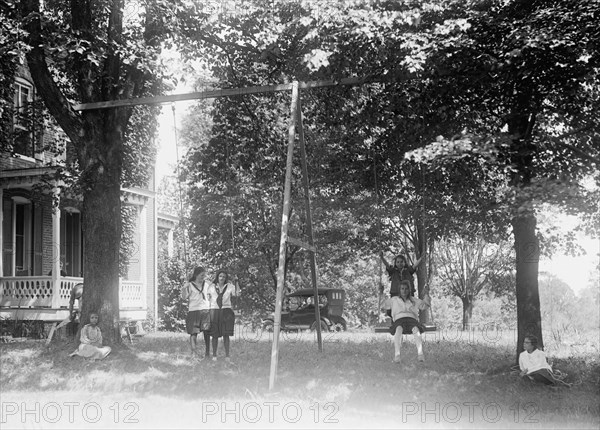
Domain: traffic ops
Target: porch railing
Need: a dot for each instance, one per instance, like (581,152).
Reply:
(38,291)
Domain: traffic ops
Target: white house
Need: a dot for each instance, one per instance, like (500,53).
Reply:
(37,236)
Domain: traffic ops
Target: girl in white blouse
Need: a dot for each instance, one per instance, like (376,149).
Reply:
(533,364)
(405,316)
(91,341)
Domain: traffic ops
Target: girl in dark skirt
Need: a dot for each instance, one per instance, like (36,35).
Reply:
(197,291)
(224,317)
(405,313)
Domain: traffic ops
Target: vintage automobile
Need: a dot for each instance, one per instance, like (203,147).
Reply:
(299,311)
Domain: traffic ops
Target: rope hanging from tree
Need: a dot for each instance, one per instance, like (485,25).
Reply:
(182,214)
(432,326)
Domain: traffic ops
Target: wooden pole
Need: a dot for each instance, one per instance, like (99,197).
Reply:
(213,94)
(283,240)
(309,229)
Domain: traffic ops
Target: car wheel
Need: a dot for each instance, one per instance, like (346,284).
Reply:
(337,327)
(324,326)
(268,326)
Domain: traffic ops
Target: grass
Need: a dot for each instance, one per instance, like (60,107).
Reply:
(466,382)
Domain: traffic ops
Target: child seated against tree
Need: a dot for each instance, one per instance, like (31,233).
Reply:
(534,366)
(91,341)
(405,316)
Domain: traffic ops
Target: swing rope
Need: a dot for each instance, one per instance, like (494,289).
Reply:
(377,208)
(424,224)
(182,215)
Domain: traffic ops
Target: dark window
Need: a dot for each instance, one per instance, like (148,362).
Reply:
(23,137)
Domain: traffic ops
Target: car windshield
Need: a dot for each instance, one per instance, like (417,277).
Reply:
(295,303)
(299,303)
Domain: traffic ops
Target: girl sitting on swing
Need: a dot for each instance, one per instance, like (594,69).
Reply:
(405,316)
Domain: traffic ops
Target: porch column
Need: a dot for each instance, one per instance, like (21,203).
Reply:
(169,243)
(56,250)
(143,220)
(155,260)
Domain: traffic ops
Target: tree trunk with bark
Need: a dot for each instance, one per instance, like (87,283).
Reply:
(467,302)
(522,151)
(529,319)
(102,225)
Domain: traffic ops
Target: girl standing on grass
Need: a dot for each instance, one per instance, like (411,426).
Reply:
(534,366)
(405,316)
(199,292)
(225,318)
(91,341)
(400,271)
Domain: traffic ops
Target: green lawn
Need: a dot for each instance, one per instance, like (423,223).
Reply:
(465,382)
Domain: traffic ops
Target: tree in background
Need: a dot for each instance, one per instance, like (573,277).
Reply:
(587,304)
(466,267)
(558,305)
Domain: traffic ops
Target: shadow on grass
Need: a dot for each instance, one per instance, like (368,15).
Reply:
(354,370)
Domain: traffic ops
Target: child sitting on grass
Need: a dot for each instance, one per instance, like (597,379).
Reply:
(534,366)
(91,341)
(405,316)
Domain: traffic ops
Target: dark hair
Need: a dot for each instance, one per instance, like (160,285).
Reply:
(400,256)
(216,281)
(196,272)
(533,339)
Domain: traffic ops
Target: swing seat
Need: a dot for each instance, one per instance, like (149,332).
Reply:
(429,327)
(384,326)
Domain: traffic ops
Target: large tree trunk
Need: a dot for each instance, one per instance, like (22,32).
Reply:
(467,311)
(102,227)
(529,320)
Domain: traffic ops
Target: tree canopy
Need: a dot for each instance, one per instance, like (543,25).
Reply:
(477,111)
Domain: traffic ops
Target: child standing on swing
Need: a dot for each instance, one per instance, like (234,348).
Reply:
(405,316)
(401,271)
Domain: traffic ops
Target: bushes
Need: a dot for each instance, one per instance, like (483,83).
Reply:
(172,309)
